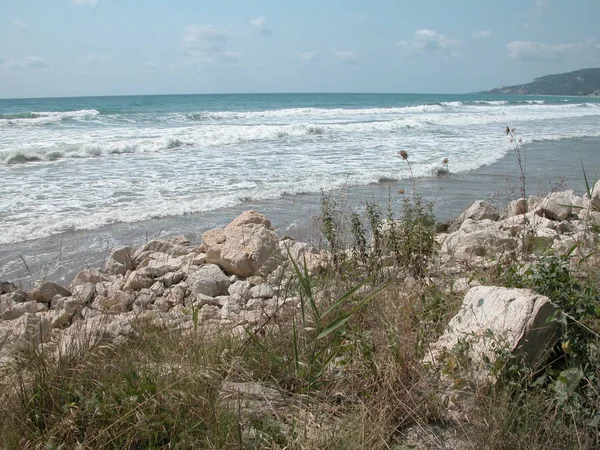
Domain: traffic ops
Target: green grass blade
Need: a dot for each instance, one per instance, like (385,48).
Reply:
(587,184)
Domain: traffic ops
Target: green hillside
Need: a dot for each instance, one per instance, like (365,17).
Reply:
(579,82)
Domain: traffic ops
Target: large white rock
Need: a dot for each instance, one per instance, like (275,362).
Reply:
(479,210)
(10,310)
(245,246)
(557,205)
(121,260)
(93,276)
(208,280)
(595,200)
(23,333)
(477,238)
(495,319)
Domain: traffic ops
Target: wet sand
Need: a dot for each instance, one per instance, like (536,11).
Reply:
(549,165)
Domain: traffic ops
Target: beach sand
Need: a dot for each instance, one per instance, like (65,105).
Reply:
(549,165)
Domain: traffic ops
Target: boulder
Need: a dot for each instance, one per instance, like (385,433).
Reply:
(157,264)
(557,205)
(493,320)
(84,293)
(477,239)
(208,280)
(262,291)
(137,280)
(47,291)
(239,292)
(7,288)
(93,276)
(10,310)
(595,200)
(516,208)
(244,247)
(174,247)
(120,261)
(479,210)
(23,333)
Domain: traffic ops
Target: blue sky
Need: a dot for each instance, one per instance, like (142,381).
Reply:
(119,47)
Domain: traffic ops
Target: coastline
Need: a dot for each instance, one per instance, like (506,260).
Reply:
(550,165)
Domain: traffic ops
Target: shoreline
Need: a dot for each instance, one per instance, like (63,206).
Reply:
(59,257)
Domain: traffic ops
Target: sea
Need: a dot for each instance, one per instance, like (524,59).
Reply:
(79,176)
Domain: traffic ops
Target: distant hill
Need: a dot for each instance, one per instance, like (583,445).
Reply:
(580,82)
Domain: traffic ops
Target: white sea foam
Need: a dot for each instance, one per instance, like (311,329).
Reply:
(86,174)
(44,117)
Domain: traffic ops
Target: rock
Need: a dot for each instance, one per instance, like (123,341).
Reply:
(178,246)
(84,293)
(23,333)
(516,208)
(137,280)
(199,259)
(145,298)
(163,305)
(158,288)
(10,310)
(208,280)
(565,227)
(59,318)
(93,276)
(595,200)
(525,222)
(301,252)
(477,239)
(71,305)
(240,291)
(175,295)
(262,291)
(461,285)
(557,205)
(479,210)
(495,318)
(209,312)
(7,288)
(47,291)
(120,261)
(17,296)
(118,303)
(244,247)
(171,278)
(157,264)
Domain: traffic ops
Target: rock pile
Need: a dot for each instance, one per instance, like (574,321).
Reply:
(235,278)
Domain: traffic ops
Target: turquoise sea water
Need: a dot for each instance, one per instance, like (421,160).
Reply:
(77,165)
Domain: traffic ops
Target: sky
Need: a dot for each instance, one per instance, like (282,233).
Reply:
(56,48)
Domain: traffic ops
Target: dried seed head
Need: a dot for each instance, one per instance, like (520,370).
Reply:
(401,191)
(445,162)
(403,154)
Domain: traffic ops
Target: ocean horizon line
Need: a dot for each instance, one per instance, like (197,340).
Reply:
(257,93)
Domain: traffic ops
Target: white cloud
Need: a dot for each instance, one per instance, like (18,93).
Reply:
(428,41)
(534,50)
(260,23)
(307,56)
(541,3)
(36,62)
(96,59)
(207,44)
(482,34)
(360,18)
(344,56)
(8,62)
(21,25)
(84,2)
